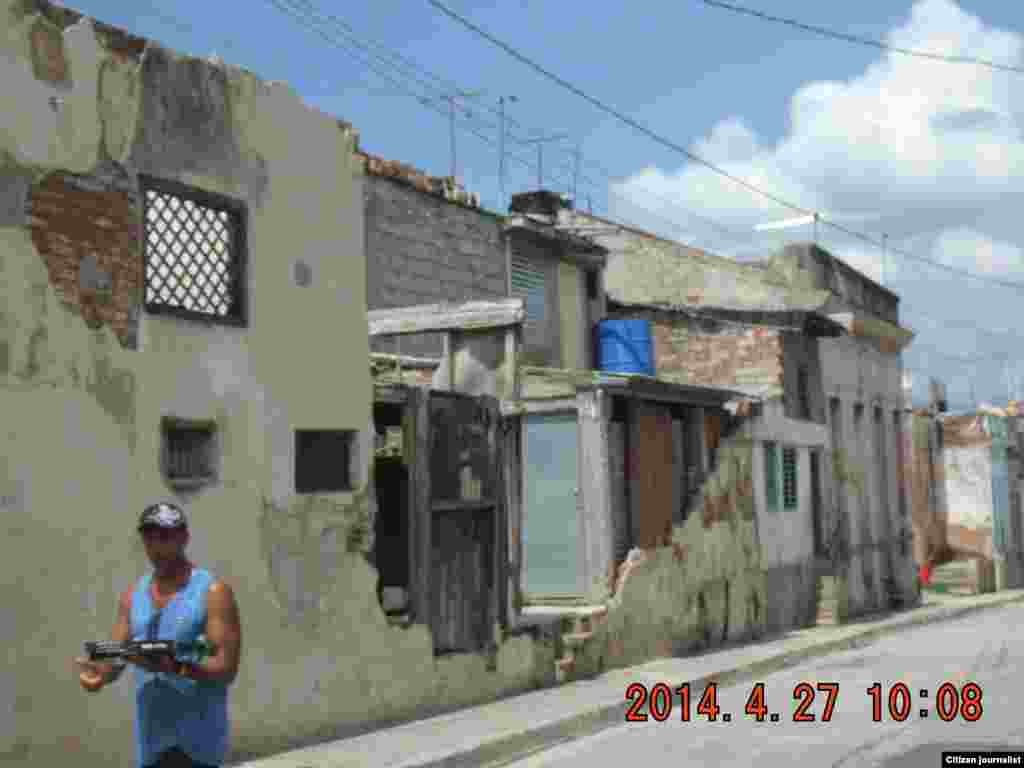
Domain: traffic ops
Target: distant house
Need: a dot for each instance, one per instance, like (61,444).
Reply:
(820,343)
(967,498)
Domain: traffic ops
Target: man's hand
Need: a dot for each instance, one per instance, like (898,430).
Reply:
(92,676)
(154,664)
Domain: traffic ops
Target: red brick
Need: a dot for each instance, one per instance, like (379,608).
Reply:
(69,223)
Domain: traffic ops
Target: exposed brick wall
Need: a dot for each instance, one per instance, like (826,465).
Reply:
(422,249)
(720,356)
(77,219)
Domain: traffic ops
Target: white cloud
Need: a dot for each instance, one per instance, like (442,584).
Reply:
(933,150)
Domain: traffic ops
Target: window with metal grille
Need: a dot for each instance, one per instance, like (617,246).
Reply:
(789,486)
(771,476)
(189,453)
(194,246)
(323,460)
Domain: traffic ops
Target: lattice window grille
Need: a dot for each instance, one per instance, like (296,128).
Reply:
(191,251)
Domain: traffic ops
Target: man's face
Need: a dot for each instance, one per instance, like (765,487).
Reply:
(163,544)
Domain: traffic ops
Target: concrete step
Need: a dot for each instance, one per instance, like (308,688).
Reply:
(576,639)
(564,668)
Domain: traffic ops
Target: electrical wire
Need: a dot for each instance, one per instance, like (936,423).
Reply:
(863,40)
(295,11)
(668,143)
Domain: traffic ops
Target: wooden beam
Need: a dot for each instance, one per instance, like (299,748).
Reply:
(420,514)
(520,407)
(427,318)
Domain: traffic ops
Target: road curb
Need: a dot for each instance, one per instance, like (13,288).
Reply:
(509,749)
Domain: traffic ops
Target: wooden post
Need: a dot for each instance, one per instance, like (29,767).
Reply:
(633,471)
(448,358)
(420,513)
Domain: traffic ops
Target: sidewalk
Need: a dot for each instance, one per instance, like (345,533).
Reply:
(499,732)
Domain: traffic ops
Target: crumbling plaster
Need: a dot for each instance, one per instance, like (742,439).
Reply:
(80,436)
(705,588)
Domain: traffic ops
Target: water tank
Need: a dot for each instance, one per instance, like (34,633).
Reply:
(625,346)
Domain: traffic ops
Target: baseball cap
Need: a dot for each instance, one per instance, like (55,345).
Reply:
(162,515)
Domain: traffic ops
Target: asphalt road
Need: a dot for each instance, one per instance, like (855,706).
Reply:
(986,649)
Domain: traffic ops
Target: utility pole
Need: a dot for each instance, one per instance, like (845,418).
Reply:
(501,150)
(576,174)
(885,239)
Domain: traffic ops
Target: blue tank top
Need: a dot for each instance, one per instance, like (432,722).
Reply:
(173,711)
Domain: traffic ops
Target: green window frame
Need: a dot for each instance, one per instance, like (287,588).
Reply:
(781,486)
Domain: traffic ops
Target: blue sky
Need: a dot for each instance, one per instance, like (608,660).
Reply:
(928,153)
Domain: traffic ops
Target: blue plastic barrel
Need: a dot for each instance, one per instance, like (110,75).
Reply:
(625,346)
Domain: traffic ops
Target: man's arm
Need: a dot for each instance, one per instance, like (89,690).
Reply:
(122,631)
(224,630)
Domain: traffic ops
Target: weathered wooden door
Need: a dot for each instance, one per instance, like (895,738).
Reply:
(551,552)
(651,466)
(465,517)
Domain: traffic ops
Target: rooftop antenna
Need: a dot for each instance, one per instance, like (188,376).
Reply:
(540,141)
(451,99)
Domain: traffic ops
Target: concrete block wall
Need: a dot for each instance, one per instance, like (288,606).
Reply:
(424,249)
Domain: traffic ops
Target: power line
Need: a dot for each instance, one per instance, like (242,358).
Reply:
(605,108)
(312,26)
(307,8)
(683,151)
(303,9)
(862,40)
(526,163)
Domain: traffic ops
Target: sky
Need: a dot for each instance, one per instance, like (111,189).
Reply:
(926,153)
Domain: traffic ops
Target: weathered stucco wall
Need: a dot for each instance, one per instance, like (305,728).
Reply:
(877,527)
(707,587)
(572,323)
(85,378)
(787,535)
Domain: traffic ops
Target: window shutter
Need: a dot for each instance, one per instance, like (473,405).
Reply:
(529,285)
(771,476)
(790,495)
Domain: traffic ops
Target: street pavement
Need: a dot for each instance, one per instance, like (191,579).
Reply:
(585,721)
(984,649)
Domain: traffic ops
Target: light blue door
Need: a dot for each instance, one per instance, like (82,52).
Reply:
(550,521)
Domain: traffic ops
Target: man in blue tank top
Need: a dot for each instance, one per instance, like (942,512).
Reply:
(181,716)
